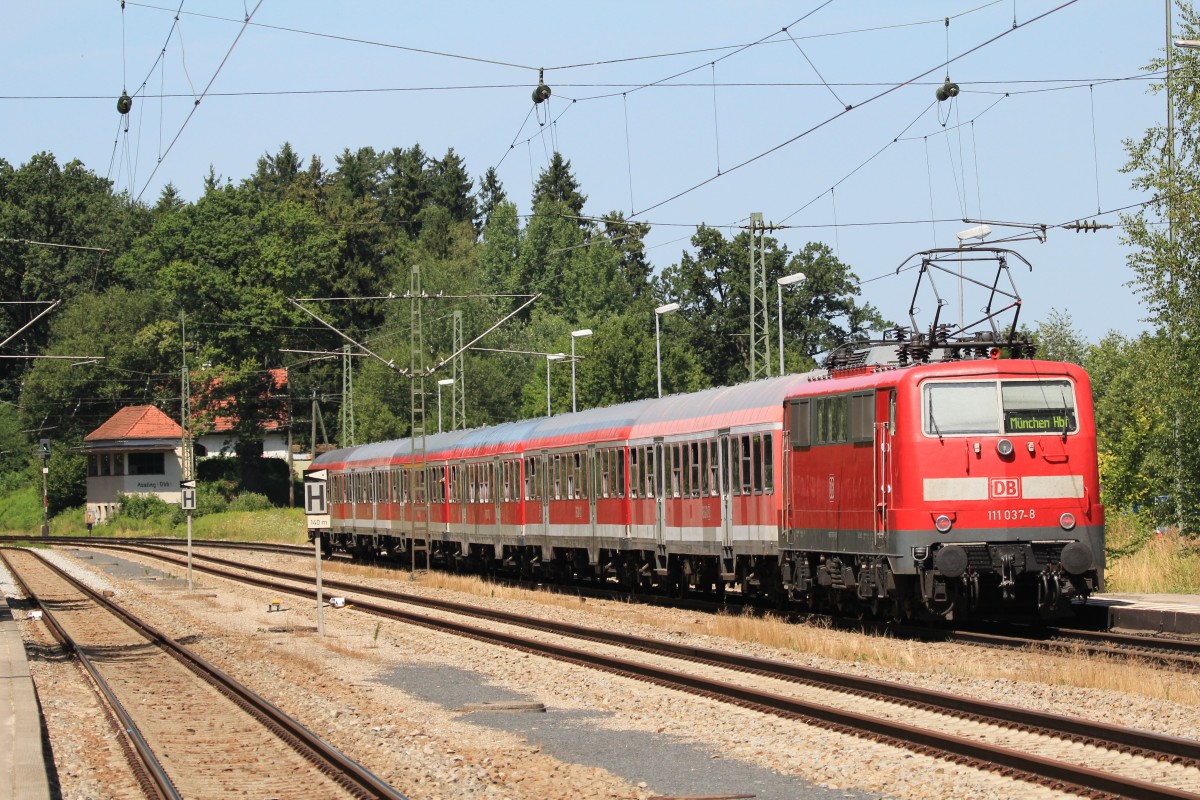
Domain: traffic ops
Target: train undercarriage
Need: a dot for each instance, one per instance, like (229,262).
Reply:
(951,584)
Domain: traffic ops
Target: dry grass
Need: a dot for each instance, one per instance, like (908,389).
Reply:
(1070,669)
(1153,561)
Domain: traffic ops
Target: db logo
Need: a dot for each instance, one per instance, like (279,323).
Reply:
(1004,487)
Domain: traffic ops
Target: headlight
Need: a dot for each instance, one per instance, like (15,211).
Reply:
(1004,447)
(942,523)
(1067,521)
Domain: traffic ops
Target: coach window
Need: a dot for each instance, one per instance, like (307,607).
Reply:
(703,467)
(714,467)
(746,459)
(862,417)
(735,465)
(603,464)
(673,470)
(768,465)
(801,423)
(652,463)
(619,458)
(694,469)
(757,462)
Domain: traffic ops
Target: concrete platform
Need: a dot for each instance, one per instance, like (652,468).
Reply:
(1157,613)
(24,760)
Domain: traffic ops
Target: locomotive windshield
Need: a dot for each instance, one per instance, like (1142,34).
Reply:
(999,407)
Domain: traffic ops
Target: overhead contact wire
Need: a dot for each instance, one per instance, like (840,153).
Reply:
(878,96)
(200,98)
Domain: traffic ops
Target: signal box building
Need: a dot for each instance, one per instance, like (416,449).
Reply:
(137,451)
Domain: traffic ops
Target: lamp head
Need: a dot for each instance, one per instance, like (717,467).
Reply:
(978,232)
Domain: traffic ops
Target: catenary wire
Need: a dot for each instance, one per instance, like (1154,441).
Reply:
(192,112)
(840,114)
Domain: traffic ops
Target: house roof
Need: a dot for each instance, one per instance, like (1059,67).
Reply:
(136,422)
(225,423)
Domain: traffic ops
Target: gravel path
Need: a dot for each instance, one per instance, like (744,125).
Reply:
(391,697)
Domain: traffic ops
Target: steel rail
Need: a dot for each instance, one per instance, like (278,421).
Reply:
(149,773)
(897,733)
(362,779)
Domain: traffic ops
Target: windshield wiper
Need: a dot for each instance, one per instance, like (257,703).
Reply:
(932,420)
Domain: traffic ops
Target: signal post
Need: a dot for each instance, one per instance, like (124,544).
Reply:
(316,512)
(44,452)
(187,501)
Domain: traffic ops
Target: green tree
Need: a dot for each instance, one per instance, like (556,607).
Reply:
(450,187)
(488,198)
(1058,339)
(1133,427)
(557,184)
(713,290)
(1165,260)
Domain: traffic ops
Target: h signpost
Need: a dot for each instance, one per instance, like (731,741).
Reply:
(316,511)
(187,501)
(44,452)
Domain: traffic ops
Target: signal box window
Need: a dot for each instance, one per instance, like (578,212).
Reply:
(139,464)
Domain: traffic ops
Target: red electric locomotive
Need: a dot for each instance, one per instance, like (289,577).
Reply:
(911,479)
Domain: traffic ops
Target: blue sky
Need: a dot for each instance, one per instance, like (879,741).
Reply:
(709,135)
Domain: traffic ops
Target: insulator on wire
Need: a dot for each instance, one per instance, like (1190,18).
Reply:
(946,90)
(124,103)
(542,93)
(1087,226)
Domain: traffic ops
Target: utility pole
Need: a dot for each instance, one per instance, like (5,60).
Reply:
(287,373)
(347,398)
(44,452)
(458,394)
(187,451)
(760,311)
(421,484)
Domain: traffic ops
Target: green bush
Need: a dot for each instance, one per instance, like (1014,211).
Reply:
(250,501)
(142,506)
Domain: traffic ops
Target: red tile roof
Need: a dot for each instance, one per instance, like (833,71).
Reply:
(136,422)
(224,423)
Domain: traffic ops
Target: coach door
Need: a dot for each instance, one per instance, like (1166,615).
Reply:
(726,501)
(591,484)
(544,487)
(885,412)
(497,489)
(660,485)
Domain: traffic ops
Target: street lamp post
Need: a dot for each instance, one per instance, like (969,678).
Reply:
(580,334)
(787,280)
(979,232)
(551,357)
(441,383)
(658,312)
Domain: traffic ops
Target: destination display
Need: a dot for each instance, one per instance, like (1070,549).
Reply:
(1042,420)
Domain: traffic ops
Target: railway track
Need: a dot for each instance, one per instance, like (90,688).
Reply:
(195,731)
(1177,654)
(1092,759)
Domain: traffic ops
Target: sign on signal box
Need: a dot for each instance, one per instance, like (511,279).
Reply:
(316,498)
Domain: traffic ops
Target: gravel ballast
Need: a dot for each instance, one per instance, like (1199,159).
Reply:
(392,696)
